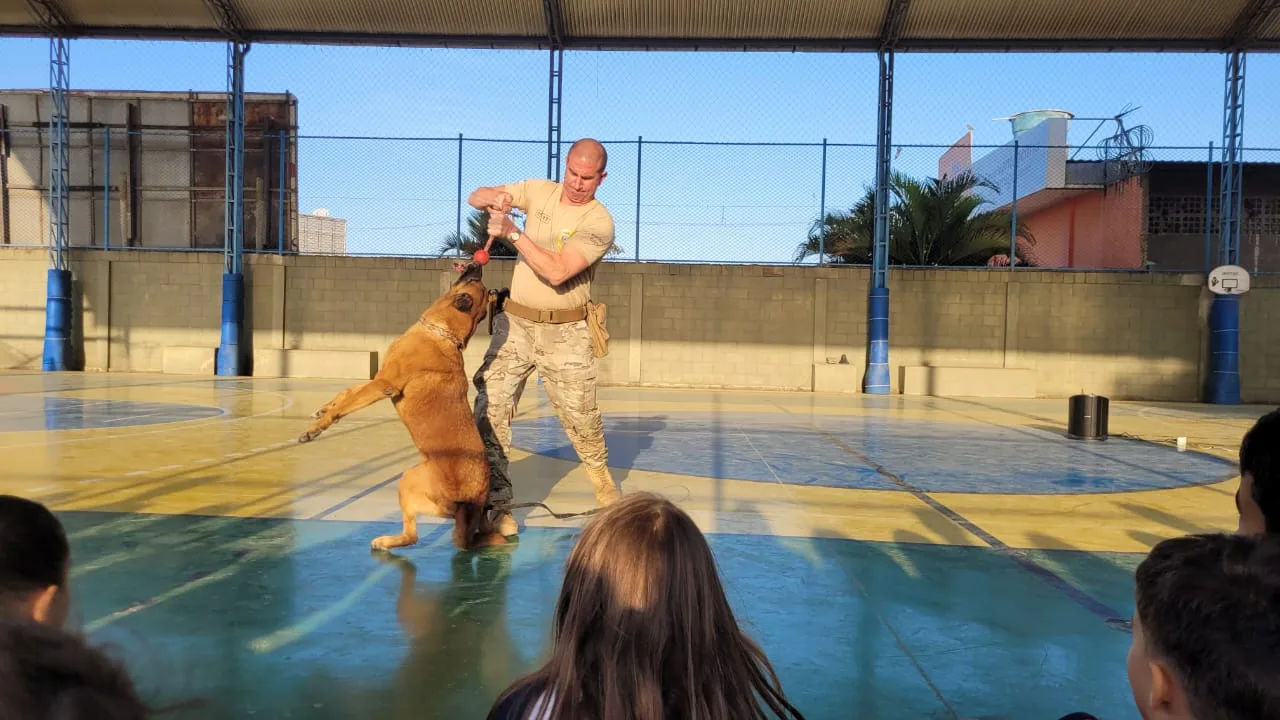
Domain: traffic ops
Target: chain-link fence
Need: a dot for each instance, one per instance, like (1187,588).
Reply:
(1090,207)
(149,190)
(367,169)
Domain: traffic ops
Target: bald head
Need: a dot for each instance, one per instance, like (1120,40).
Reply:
(583,171)
(590,152)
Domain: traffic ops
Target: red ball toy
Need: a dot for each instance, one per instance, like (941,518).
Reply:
(481,257)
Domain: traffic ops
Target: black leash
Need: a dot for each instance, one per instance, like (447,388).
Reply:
(556,515)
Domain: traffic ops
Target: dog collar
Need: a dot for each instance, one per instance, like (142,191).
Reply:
(443,333)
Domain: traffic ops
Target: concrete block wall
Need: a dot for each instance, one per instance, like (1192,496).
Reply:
(1260,341)
(1127,335)
(22,293)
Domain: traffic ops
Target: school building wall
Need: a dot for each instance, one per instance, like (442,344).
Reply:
(1128,335)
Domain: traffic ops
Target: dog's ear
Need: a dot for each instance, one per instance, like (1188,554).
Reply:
(463,302)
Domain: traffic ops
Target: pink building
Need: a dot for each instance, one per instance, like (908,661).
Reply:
(1110,215)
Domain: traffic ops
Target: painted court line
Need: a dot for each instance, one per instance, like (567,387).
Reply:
(761,456)
(1103,611)
(902,645)
(300,629)
(41,412)
(195,583)
(201,423)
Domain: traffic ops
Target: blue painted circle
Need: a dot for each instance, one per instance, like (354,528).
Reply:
(24,413)
(869,452)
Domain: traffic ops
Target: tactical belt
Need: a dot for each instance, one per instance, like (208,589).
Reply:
(554,317)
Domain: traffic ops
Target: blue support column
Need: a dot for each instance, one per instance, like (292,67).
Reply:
(639,174)
(1224,315)
(58,307)
(1208,212)
(556,86)
(1232,168)
(1224,350)
(876,380)
(1013,212)
(230,359)
(458,228)
(822,210)
(281,196)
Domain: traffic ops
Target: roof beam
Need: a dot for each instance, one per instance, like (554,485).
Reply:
(1244,31)
(555,23)
(895,17)
(228,19)
(539,41)
(50,15)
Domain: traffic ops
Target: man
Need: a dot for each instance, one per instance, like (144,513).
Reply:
(1258,498)
(1206,632)
(544,325)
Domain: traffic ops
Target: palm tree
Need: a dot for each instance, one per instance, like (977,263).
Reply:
(931,222)
(474,237)
(848,236)
(477,234)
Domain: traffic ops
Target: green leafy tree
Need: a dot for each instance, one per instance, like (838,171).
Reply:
(931,222)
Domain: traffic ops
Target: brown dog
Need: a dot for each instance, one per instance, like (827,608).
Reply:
(424,375)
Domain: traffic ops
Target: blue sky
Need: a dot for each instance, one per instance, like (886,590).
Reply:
(706,203)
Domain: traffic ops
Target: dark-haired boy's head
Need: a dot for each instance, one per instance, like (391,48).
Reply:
(47,673)
(1206,633)
(1258,499)
(34,560)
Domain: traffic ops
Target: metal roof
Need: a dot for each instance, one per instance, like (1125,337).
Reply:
(795,25)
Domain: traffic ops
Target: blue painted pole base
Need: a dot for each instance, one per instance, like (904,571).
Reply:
(1224,350)
(876,381)
(230,358)
(57,322)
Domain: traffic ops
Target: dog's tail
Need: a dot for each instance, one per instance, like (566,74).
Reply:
(470,528)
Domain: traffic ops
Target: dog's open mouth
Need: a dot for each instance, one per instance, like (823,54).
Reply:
(468,270)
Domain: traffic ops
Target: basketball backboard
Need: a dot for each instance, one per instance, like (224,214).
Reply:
(1229,280)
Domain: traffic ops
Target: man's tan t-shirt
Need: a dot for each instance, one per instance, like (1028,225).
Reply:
(554,226)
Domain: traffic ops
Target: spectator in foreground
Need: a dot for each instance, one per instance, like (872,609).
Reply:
(1258,498)
(47,673)
(35,559)
(1206,633)
(643,630)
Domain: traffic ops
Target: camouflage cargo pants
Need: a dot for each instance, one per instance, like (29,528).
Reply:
(562,356)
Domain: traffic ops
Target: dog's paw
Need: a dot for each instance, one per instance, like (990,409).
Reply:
(382,543)
(308,436)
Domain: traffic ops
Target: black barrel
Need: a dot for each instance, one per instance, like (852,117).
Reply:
(1087,418)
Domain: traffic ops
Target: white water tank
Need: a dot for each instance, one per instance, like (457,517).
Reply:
(1024,121)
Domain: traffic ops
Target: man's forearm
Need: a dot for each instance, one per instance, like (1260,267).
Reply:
(487,197)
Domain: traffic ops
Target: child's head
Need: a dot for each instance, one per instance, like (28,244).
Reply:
(1258,499)
(643,629)
(47,673)
(34,560)
(1206,633)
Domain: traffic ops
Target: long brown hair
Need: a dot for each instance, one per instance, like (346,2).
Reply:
(643,630)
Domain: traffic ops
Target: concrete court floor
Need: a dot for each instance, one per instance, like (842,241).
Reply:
(896,557)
